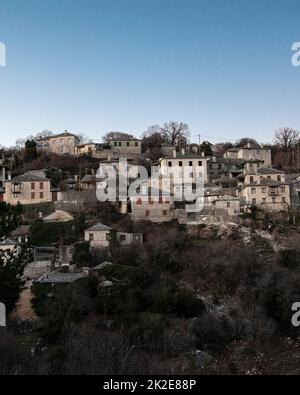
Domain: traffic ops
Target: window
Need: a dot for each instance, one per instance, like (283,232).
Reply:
(263,190)
(170,164)
(264,200)
(32,185)
(269,177)
(115,144)
(165,213)
(120,144)
(150,201)
(139,202)
(128,144)
(147,213)
(210,166)
(283,200)
(190,163)
(278,178)
(107,237)
(282,189)
(273,200)
(136,144)
(41,185)
(122,237)
(180,164)
(161,200)
(191,175)
(16,195)
(32,195)
(41,195)
(253,201)
(251,179)
(200,163)
(136,237)
(253,191)
(91,237)
(228,205)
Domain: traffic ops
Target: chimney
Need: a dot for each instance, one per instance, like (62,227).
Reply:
(174,153)
(183,152)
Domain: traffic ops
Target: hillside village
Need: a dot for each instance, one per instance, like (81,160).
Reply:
(57,236)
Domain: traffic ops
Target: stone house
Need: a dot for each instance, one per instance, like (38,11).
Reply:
(29,188)
(89,182)
(266,188)
(251,152)
(126,239)
(226,205)
(126,146)
(156,206)
(96,150)
(184,165)
(59,144)
(99,236)
(85,149)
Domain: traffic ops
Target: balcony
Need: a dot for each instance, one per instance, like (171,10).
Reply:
(273,192)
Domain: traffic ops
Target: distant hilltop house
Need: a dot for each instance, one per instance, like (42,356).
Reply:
(126,146)
(251,152)
(129,147)
(29,188)
(59,144)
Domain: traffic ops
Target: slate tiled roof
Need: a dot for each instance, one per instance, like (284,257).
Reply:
(99,227)
(31,176)
(268,170)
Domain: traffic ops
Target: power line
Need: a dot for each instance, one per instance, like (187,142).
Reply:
(214,138)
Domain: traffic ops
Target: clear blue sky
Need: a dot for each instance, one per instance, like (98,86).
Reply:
(222,66)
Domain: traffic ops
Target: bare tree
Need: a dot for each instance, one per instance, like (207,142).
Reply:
(116,136)
(83,138)
(44,133)
(152,141)
(20,143)
(247,140)
(286,138)
(176,133)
